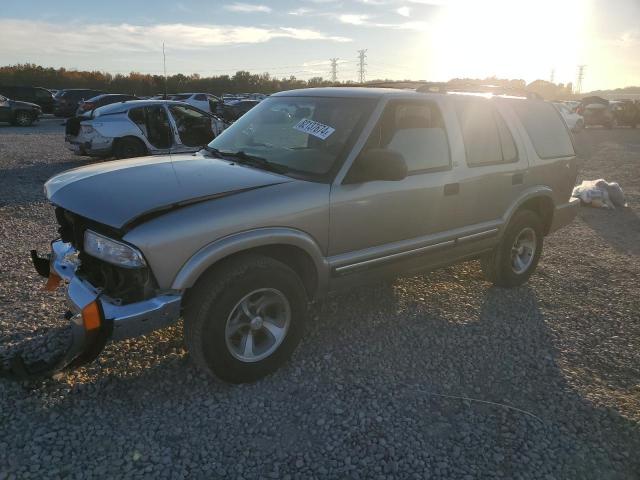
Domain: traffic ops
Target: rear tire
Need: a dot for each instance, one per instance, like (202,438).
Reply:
(23,119)
(252,300)
(129,147)
(515,259)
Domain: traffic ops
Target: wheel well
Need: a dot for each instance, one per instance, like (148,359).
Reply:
(543,206)
(295,258)
(23,110)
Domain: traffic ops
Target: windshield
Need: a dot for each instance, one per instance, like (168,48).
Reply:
(308,136)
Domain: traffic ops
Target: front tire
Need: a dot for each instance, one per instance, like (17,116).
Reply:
(515,259)
(129,147)
(244,319)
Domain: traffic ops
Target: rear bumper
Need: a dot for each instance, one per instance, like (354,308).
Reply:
(87,148)
(564,214)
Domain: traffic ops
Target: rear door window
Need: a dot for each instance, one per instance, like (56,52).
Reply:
(194,128)
(136,115)
(545,127)
(487,139)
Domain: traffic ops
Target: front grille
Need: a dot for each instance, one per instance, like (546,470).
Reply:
(124,284)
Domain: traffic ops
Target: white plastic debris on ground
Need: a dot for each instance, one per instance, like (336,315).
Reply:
(600,193)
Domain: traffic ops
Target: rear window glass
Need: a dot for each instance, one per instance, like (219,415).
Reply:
(545,128)
(137,115)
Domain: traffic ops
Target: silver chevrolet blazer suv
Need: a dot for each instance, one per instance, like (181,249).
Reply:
(312,191)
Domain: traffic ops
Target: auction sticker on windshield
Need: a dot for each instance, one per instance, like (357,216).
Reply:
(314,128)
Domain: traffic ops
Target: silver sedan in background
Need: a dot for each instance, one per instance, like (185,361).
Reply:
(142,127)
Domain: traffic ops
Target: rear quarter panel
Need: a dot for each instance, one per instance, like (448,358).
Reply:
(558,174)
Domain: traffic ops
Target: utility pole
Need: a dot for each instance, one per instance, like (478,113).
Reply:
(580,78)
(362,55)
(164,66)
(334,69)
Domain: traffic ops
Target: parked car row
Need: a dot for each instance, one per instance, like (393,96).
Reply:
(70,102)
(230,108)
(610,113)
(572,118)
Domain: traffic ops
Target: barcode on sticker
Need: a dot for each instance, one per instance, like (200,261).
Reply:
(316,129)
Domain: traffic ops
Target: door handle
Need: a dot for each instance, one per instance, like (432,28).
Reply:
(517,179)
(451,188)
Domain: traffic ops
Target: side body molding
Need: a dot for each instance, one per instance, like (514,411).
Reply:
(238,242)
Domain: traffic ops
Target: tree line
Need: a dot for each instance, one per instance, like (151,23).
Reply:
(146,84)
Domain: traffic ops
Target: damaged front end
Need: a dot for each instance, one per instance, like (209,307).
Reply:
(105,301)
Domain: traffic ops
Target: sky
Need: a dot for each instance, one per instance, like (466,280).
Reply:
(431,40)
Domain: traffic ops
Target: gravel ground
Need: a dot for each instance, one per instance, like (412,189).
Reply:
(549,372)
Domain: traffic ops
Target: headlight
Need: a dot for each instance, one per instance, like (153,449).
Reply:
(112,251)
(86,129)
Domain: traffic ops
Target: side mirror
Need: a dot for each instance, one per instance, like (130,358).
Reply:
(377,164)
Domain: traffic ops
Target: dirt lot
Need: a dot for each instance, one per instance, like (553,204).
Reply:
(549,372)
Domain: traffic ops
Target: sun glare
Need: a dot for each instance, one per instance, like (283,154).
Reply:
(508,39)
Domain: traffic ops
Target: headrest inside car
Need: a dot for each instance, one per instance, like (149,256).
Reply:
(412,121)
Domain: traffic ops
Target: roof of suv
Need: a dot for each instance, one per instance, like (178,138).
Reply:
(375,92)
(346,92)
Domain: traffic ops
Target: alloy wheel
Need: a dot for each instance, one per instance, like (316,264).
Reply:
(257,325)
(523,250)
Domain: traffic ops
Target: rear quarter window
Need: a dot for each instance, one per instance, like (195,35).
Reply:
(545,127)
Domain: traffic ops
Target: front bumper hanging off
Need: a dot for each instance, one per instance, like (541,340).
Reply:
(95,318)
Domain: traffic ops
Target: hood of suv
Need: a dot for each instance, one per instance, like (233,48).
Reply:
(123,192)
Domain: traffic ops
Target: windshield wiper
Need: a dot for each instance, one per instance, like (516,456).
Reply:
(213,150)
(253,161)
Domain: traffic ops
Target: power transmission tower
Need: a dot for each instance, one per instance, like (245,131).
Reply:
(362,55)
(580,78)
(334,69)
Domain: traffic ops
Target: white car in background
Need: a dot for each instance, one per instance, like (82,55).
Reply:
(142,127)
(574,120)
(204,101)
(572,105)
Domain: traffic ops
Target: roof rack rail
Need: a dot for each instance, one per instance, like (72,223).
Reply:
(468,87)
(456,87)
